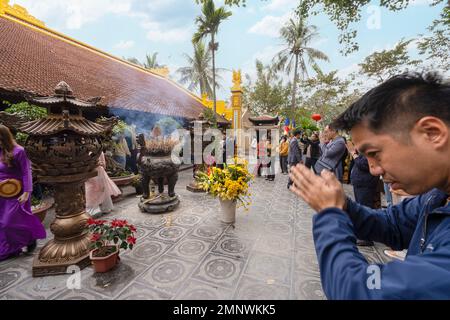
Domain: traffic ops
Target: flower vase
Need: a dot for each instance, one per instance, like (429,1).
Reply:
(228,210)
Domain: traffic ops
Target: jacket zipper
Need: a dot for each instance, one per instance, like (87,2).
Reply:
(425,223)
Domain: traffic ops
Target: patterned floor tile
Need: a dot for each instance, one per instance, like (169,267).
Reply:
(12,274)
(196,290)
(111,283)
(172,233)
(269,268)
(187,220)
(138,291)
(191,248)
(307,288)
(147,251)
(233,246)
(167,274)
(208,232)
(219,270)
(252,289)
(278,245)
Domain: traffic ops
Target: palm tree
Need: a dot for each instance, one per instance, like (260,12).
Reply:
(199,73)
(297,37)
(208,24)
(151,62)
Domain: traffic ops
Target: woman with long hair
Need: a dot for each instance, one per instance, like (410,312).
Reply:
(18,226)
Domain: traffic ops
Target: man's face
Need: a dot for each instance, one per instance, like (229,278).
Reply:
(413,165)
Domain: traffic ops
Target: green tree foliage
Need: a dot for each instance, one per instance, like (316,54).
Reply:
(151,61)
(344,13)
(297,37)
(436,47)
(208,25)
(328,95)
(387,63)
(27,111)
(267,95)
(134,60)
(199,74)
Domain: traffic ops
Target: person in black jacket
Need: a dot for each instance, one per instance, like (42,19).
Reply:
(312,150)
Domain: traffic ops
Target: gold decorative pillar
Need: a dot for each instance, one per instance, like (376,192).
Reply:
(236,104)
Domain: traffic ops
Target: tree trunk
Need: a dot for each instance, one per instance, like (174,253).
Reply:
(294,87)
(214,72)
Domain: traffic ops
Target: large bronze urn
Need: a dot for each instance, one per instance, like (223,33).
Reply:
(64,148)
(156,166)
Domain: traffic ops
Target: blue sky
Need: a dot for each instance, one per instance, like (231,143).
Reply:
(132,28)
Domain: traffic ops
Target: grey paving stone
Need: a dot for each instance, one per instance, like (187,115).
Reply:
(172,233)
(219,270)
(269,268)
(233,246)
(306,287)
(12,274)
(138,291)
(111,283)
(196,290)
(278,245)
(147,251)
(253,289)
(191,248)
(208,232)
(167,274)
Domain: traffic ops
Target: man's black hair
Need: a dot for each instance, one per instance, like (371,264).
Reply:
(399,103)
(297,132)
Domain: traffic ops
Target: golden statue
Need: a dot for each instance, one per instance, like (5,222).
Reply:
(237,81)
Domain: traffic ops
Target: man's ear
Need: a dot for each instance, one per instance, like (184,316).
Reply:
(433,130)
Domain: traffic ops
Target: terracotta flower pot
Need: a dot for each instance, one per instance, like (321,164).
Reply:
(104,264)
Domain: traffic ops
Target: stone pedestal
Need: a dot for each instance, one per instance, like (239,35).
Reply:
(159,204)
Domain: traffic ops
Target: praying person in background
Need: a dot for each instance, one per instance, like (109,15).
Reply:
(100,189)
(284,151)
(19,227)
(121,151)
(332,153)
(132,143)
(363,182)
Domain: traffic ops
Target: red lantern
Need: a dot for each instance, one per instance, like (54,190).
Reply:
(316,117)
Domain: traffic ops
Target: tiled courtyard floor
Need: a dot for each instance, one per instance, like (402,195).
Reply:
(190,254)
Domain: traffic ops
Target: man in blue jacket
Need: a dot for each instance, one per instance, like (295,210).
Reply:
(403,128)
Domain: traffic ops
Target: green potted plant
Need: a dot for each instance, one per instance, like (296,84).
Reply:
(107,238)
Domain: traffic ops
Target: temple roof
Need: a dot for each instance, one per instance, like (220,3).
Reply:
(264,120)
(33,59)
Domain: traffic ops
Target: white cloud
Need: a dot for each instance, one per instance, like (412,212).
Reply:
(280,5)
(75,14)
(169,36)
(270,25)
(157,33)
(124,45)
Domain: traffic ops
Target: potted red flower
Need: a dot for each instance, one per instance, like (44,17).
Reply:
(107,238)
